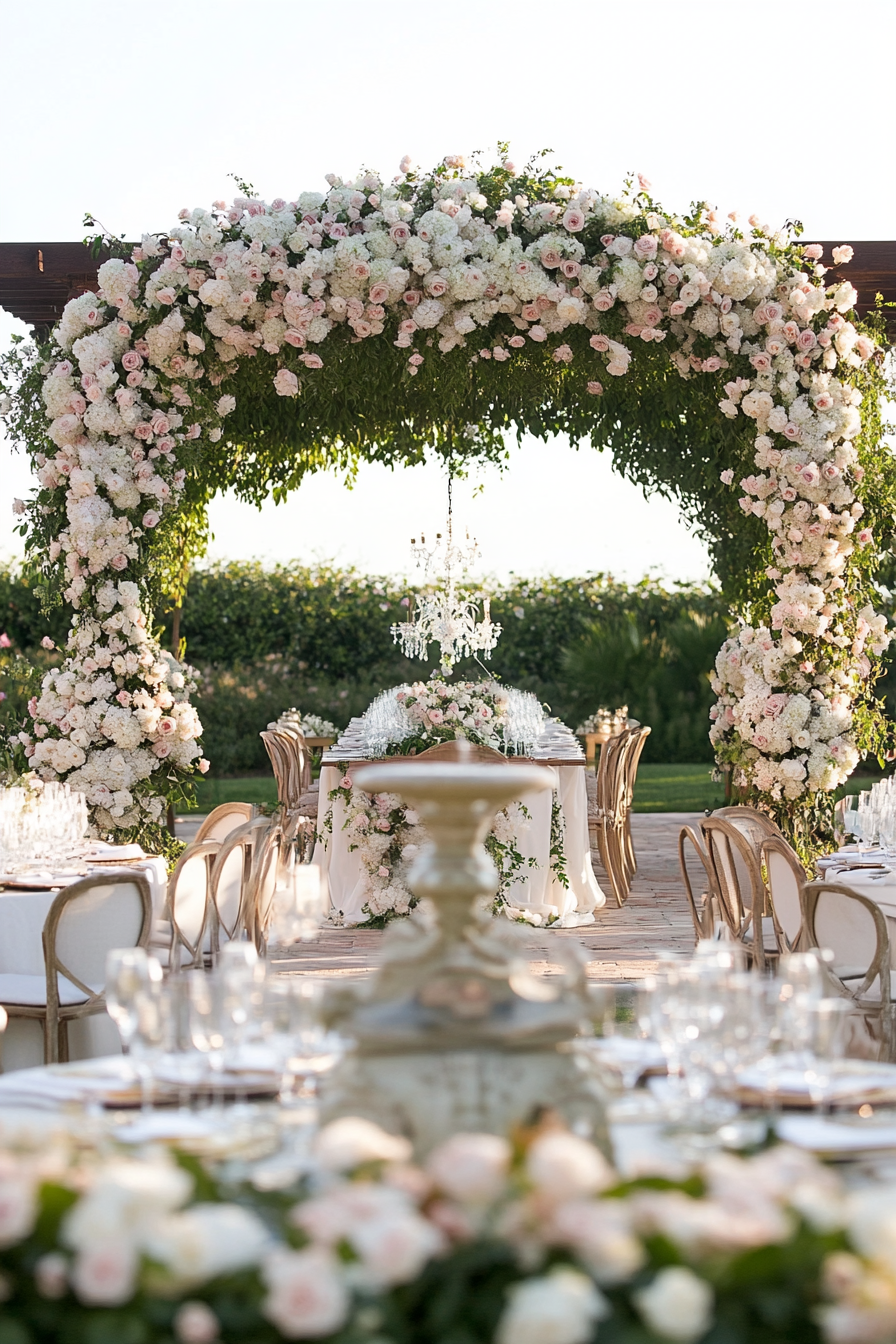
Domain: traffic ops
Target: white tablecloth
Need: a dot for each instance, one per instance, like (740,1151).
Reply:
(538,891)
(22,918)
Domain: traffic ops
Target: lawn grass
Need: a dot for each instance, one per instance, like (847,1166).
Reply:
(677,788)
(660,788)
(255,789)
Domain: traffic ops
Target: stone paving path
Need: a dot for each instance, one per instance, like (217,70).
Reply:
(623,944)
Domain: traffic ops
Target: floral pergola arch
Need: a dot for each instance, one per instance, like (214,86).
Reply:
(254,343)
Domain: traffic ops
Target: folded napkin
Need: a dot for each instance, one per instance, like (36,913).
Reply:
(99,852)
(821,1135)
(60,1084)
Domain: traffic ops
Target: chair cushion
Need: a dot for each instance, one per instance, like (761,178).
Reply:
(31,991)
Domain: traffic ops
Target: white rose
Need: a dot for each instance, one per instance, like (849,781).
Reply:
(207,1240)
(677,1305)
(348,1142)
(395,1249)
(562,1166)
(559,1308)
(471,1167)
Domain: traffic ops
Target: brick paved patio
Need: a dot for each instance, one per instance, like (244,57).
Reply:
(623,943)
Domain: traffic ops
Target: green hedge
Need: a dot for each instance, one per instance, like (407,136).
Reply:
(265,639)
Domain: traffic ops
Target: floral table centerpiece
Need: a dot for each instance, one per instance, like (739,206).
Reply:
(535,1241)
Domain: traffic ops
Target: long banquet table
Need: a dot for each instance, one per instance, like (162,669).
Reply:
(537,892)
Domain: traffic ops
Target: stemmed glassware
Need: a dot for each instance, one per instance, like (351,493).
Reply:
(133,1001)
(41,826)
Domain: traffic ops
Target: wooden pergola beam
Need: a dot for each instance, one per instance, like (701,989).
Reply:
(38,279)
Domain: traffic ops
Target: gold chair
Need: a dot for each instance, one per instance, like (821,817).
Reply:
(86,920)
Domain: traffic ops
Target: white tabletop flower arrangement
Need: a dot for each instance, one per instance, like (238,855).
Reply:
(538,1241)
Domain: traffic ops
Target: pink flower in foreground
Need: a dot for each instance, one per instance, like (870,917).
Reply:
(5,641)
(196,1323)
(573,220)
(595,389)
(345,782)
(307,1296)
(312,361)
(286,384)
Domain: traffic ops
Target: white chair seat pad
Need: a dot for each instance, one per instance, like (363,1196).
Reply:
(30,991)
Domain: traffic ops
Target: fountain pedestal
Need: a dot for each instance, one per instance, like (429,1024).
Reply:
(455,1033)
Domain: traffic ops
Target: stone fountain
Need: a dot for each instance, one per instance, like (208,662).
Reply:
(454,1033)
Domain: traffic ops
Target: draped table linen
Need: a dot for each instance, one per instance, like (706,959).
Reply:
(536,891)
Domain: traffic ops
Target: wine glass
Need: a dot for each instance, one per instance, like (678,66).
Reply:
(210,1025)
(128,976)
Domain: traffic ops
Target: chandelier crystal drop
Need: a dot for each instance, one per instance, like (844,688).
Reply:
(448,616)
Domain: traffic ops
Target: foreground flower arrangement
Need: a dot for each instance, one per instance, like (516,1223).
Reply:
(536,1242)
(496,270)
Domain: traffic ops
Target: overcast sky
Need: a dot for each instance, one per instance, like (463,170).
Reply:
(131,112)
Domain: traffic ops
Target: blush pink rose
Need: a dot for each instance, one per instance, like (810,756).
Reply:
(119,562)
(161,749)
(312,361)
(379,293)
(150,518)
(573,220)
(286,384)
(537,333)
(599,342)
(399,233)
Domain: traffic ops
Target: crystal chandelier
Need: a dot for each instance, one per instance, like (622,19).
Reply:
(448,616)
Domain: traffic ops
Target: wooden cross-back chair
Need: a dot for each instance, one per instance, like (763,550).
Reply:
(703,904)
(232,881)
(223,819)
(189,905)
(740,890)
(86,920)
(610,818)
(785,878)
(630,770)
(854,928)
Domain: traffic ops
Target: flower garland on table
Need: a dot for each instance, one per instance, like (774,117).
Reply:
(500,1244)
(529,287)
(441,712)
(387,835)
